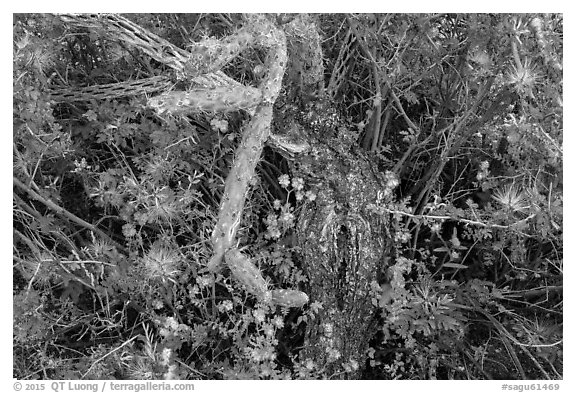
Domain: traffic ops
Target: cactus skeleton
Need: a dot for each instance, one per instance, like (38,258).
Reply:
(111,90)
(212,91)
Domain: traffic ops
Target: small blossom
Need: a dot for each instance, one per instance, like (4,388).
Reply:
(278,322)
(202,281)
(392,183)
(287,218)
(309,364)
(161,262)
(128,230)
(402,237)
(226,305)
(277,204)
(333,354)
(268,330)
(219,125)
(259,315)
(273,233)
(284,181)
(311,196)
(298,183)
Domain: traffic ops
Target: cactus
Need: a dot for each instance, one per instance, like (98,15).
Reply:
(210,55)
(111,90)
(289,298)
(118,28)
(306,64)
(246,273)
(249,150)
(213,91)
(217,100)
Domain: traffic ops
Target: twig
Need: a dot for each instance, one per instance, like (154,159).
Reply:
(108,354)
(463,220)
(63,212)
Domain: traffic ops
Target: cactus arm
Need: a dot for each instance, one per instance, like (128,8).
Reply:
(211,55)
(249,151)
(216,100)
(247,273)
(237,182)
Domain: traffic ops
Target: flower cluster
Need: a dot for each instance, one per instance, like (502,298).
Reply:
(283,218)
(483,172)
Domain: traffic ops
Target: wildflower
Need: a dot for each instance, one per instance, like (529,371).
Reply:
(140,368)
(391,180)
(333,354)
(277,204)
(259,315)
(287,218)
(226,305)
(268,330)
(219,125)
(273,233)
(203,281)
(511,198)
(298,183)
(128,230)
(161,262)
(80,165)
(436,227)
(278,322)
(311,196)
(309,364)
(284,181)
(352,365)
(524,78)
(402,237)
